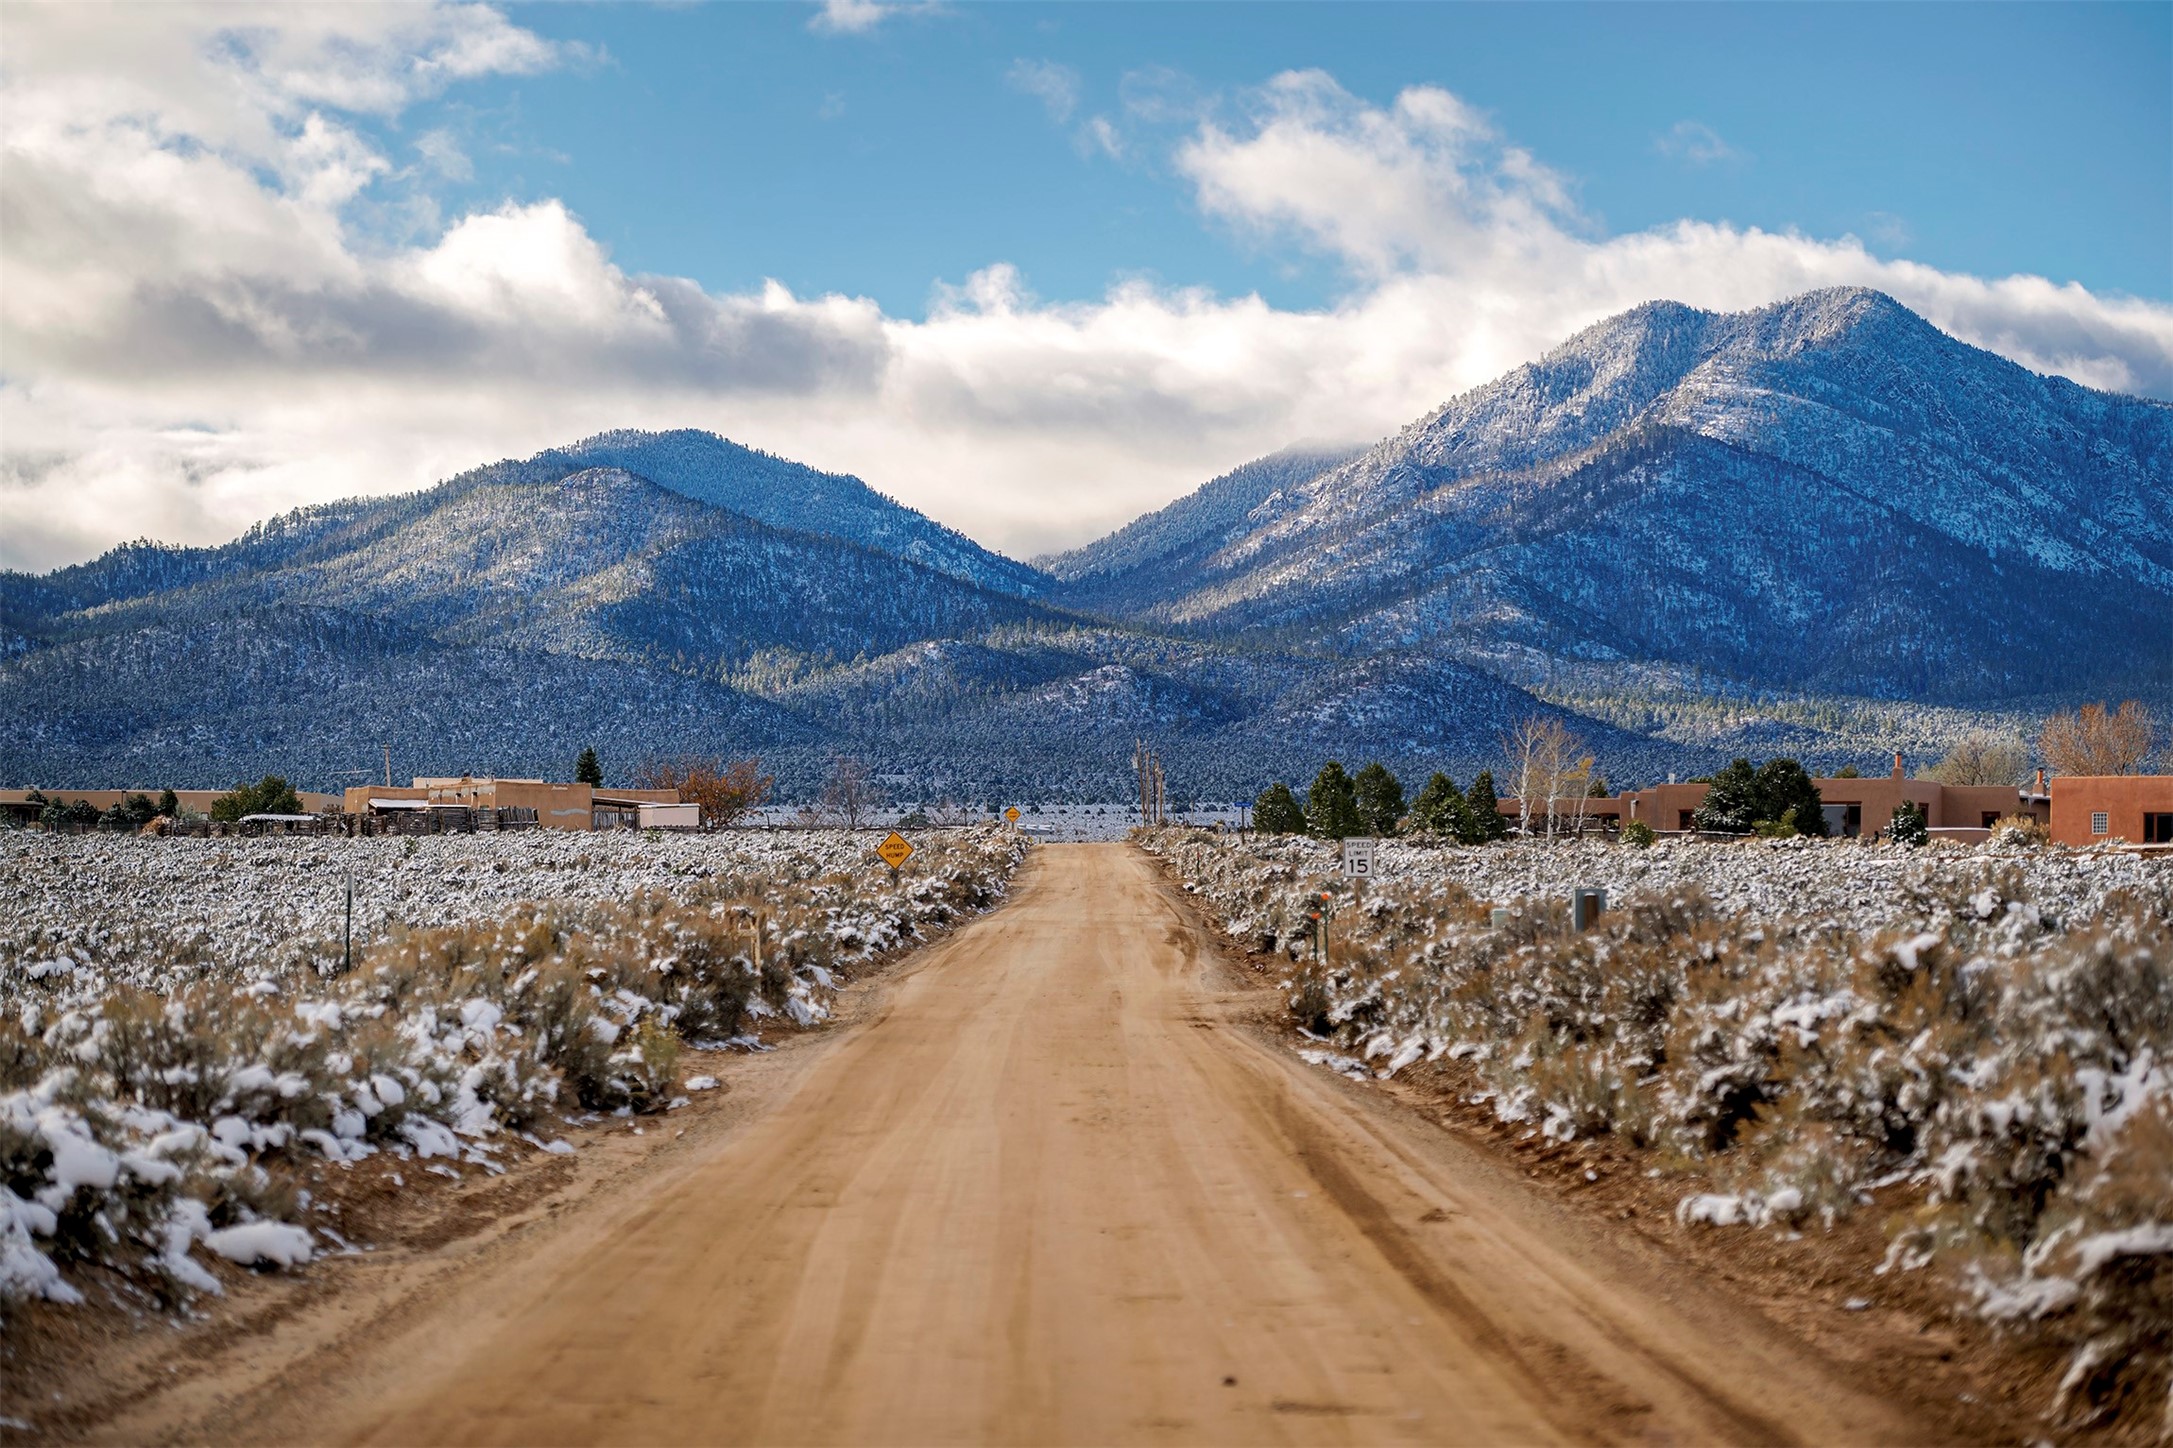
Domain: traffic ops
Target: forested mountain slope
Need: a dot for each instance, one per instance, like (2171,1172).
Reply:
(784,494)
(1824,493)
(1822,528)
(1149,558)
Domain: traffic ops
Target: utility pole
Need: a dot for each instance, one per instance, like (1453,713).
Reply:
(388,766)
(1153,794)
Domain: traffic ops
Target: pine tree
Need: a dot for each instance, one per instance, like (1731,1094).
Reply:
(588,769)
(1439,808)
(1741,800)
(269,795)
(1380,799)
(1482,812)
(1276,812)
(1731,801)
(1331,805)
(1785,792)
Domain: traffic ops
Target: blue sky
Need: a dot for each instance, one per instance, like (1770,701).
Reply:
(733,143)
(1031,269)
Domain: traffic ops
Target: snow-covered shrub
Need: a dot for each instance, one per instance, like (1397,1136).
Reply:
(165,1084)
(1787,1025)
(2019,831)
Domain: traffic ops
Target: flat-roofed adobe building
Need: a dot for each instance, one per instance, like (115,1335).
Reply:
(19,808)
(1853,806)
(2097,809)
(556,806)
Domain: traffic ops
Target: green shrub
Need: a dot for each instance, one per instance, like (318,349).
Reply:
(1909,826)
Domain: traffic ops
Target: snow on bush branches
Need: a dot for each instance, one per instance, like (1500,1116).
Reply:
(177,1031)
(1791,1025)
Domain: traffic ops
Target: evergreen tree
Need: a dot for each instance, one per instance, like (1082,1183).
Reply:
(1731,801)
(1380,799)
(1785,791)
(169,804)
(269,795)
(1777,798)
(129,815)
(1439,808)
(588,769)
(57,815)
(1909,826)
(1482,812)
(1331,805)
(1276,812)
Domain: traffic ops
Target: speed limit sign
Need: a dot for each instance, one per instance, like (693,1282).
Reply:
(1358,858)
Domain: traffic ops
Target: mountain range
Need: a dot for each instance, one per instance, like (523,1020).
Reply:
(1823,527)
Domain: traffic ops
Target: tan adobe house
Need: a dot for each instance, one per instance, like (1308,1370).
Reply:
(16,804)
(556,806)
(1853,806)
(2097,809)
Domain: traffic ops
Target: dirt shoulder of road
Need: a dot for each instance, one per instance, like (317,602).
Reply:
(121,1365)
(1898,1333)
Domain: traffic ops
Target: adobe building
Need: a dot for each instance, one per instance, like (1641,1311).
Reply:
(17,807)
(1852,806)
(555,806)
(2098,809)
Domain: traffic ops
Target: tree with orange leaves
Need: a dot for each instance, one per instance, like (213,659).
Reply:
(725,789)
(2090,740)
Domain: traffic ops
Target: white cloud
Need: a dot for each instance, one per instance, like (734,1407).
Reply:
(1100,136)
(1054,84)
(195,337)
(1696,143)
(443,154)
(861,17)
(850,17)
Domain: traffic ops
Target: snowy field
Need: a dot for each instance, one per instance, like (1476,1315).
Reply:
(1788,1030)
(180,1043)
(1056,823)
(1847,883)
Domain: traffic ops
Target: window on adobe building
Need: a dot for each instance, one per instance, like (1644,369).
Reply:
(1991,818)
(2098,823)
(2158,829)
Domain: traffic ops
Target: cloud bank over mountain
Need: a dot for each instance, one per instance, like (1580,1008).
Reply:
(226,298)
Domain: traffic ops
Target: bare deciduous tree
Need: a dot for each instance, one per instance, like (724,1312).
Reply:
(2091,740)
(1979,757)
(1548,766)
(850,795)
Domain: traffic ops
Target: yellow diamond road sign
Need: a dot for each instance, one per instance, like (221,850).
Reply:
(1012,814)
(894,851)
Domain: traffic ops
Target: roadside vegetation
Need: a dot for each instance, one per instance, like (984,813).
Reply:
(1970,1042)
(184,1046)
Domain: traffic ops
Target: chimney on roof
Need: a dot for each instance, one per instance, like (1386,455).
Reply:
(2040,781)
(1897,765)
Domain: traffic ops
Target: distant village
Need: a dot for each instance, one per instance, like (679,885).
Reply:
(2092,792)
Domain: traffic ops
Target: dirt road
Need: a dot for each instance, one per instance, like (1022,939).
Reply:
(1051,1193)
